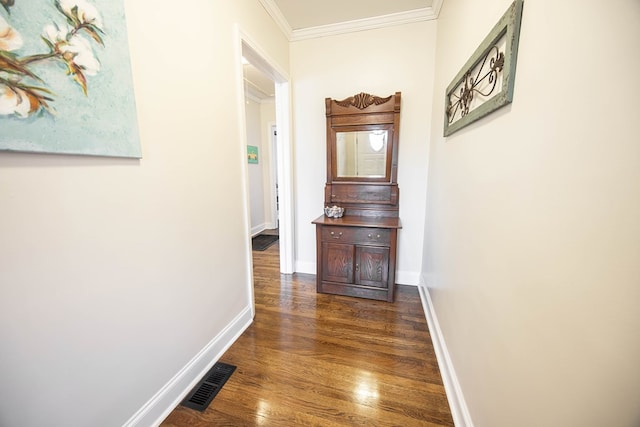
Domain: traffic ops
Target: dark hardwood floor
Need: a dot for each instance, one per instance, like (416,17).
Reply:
(326,360)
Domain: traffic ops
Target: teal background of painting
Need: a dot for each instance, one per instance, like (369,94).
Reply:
(102,123)
(251,149)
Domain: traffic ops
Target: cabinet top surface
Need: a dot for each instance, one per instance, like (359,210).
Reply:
(359,221)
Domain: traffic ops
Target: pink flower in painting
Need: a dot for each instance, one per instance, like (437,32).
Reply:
(9,38)
(14,101)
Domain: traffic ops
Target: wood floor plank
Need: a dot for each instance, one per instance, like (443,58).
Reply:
(326,360)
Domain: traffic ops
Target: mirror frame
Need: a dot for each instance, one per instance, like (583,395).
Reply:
(334,152)
(363,112)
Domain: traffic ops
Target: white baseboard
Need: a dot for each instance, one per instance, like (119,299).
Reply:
(258,229)
(410,278)
(172,393)
(305,267)
(457,404)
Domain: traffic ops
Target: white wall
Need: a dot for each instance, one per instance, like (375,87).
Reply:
(114,273)
(269,165)
(379,62)
(532,230)
(256,170)
(259,117)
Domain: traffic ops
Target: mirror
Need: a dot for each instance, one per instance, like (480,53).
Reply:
(361,154)
(362,144)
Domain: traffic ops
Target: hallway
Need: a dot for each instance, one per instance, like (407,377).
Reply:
(326,360)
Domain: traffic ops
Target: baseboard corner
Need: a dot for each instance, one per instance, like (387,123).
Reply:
(171,394)
(457,403)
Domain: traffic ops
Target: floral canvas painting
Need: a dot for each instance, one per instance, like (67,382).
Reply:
(65,78)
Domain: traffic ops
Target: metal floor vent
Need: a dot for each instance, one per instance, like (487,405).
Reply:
(204,392)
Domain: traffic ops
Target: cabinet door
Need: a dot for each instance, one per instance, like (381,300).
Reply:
(338,261)
(372,266)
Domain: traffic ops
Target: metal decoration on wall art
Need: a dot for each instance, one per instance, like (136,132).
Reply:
(485,82)
(65,78)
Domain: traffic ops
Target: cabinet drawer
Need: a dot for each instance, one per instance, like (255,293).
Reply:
(361,193)
(362,236)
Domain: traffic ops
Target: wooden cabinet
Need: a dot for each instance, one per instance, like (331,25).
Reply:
(356,254)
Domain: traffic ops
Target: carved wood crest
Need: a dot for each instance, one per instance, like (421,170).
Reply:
(362,101)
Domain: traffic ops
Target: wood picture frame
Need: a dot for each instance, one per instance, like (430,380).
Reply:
(486,81)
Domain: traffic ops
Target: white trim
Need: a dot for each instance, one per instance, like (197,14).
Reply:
(255,94)
(259,59)
(436,6)
(244,167)
(272,206)
(274,11)
(171,394)
(400,18)
(424,14)
(306,267)
(258,229)
(457,404)
(285,177)
(411,278)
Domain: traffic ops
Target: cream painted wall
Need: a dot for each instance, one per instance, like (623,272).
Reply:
(269,178)
(115,273)
(259,116)
(532,230)
(379,62)
(256,170)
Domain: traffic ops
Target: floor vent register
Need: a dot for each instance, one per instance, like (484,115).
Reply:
(203,393)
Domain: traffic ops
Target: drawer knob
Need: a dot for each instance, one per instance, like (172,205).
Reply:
(377,236)
(336,236)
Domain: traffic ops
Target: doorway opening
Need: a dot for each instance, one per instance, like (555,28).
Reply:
(278,152)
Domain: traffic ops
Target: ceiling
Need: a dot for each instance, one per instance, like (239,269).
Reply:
(304,19)
(301,14)
(257,86)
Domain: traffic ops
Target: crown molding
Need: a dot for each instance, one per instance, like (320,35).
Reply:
(417,15)
(255,94)
(274,11)
(400,18)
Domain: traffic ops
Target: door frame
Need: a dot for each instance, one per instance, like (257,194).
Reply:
(273,175)
(247,47)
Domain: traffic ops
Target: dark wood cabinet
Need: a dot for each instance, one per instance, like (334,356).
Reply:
(372,266)
(356,254)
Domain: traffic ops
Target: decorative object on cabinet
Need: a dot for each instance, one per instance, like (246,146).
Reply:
(356,251)
(65,79)
(485,83)
(334,211)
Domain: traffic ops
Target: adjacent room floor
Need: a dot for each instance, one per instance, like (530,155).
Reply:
(326,360)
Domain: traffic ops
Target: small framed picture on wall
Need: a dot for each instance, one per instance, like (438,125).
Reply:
(252,154)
